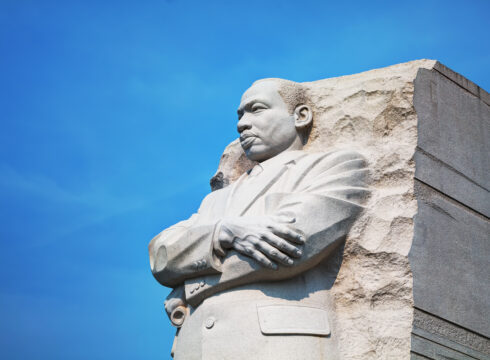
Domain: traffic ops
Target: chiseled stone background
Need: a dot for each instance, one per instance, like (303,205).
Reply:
(374,113)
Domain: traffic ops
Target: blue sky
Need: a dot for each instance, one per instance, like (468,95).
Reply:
(114,115)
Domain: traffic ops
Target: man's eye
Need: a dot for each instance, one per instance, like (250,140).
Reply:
(258,107)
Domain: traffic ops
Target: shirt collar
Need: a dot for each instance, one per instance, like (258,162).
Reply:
(280,159)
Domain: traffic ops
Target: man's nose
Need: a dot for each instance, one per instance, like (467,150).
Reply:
(244,123)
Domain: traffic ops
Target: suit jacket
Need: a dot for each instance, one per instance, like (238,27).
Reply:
(242,310)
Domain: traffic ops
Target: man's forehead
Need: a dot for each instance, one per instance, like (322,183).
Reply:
(264,90)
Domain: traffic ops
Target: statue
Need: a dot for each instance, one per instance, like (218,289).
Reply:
(251,270)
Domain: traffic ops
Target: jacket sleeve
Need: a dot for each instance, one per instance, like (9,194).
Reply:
(326,199)
(184,251)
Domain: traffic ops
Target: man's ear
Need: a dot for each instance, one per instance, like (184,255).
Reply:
(303,116)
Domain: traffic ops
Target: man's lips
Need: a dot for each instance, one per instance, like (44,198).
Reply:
(247,140)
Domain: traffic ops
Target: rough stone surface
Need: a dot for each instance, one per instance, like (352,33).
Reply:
(233,163)
(424,130)
(373,113)
(420,246)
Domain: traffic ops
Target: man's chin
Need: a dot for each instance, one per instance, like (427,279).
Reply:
(256,154)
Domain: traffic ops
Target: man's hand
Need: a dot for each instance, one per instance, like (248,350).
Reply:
(267,240)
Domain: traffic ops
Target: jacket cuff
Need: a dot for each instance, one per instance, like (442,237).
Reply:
(215,240)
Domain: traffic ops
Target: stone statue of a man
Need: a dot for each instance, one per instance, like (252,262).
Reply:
(250,269)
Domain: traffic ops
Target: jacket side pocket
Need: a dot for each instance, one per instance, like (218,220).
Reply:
(279,319)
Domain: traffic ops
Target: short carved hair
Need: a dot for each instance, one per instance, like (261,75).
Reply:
(292,93)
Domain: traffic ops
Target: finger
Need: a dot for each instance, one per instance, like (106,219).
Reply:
(256,255)
(282,245)
(288,234)
(264,260)
(274,254)
(284,219)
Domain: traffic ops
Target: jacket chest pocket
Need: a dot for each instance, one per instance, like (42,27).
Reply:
(299,319)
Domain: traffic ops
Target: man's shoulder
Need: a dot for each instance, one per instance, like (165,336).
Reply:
(330,158)
(339,172)
(215,196)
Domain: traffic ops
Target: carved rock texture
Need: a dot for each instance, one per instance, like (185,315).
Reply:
(373,113)
(233,163)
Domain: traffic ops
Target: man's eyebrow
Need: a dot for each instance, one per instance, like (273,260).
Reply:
(242,108)
(249,103)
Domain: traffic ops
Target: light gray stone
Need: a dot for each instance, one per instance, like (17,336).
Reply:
(443,332)
(336,161)
(453,133)
(450,261)
(433,350)
(252,264)
(450,256)
(463,82)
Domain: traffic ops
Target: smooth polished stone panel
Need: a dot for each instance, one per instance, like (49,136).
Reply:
(450,261)
(453,137)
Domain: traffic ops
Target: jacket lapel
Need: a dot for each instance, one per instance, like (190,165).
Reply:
(244,194)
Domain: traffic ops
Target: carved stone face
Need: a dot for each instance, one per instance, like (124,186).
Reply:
(265,125)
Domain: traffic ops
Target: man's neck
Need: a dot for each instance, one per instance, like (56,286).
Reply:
(295,146)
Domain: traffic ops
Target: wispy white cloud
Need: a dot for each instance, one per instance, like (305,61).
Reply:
(95,205)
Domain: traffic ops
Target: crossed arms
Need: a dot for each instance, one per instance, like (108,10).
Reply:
(299,229)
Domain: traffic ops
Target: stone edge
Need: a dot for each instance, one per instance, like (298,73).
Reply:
(463,82)
(427,339)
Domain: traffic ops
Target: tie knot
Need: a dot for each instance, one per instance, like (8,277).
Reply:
(257,169)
